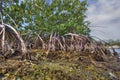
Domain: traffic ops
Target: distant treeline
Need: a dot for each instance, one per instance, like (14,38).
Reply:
(113,42)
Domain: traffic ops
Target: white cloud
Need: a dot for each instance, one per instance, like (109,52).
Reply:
(105,13)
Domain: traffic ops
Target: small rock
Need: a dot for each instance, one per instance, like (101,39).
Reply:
(112,76)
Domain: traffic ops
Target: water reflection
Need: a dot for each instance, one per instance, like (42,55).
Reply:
(116,50)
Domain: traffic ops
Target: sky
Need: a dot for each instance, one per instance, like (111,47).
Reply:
(104,16)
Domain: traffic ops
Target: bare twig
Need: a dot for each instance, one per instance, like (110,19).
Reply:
(43,44)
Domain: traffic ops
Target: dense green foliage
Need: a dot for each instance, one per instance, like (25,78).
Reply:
(47,16)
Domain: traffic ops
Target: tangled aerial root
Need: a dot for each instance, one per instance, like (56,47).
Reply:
(69,43)
(73,43)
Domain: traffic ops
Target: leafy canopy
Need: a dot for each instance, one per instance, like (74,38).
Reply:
(46,16)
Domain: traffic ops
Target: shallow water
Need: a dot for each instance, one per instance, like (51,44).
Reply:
(116,49)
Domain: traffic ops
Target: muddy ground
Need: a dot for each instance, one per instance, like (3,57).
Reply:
(59,66)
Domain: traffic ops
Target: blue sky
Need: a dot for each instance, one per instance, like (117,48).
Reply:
(104,16)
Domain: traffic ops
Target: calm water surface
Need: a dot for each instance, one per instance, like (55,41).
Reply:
(117,50)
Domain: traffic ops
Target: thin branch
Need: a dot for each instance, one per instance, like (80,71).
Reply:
(43,44)
(11,19)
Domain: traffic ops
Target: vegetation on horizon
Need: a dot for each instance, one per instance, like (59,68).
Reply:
(113,42)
